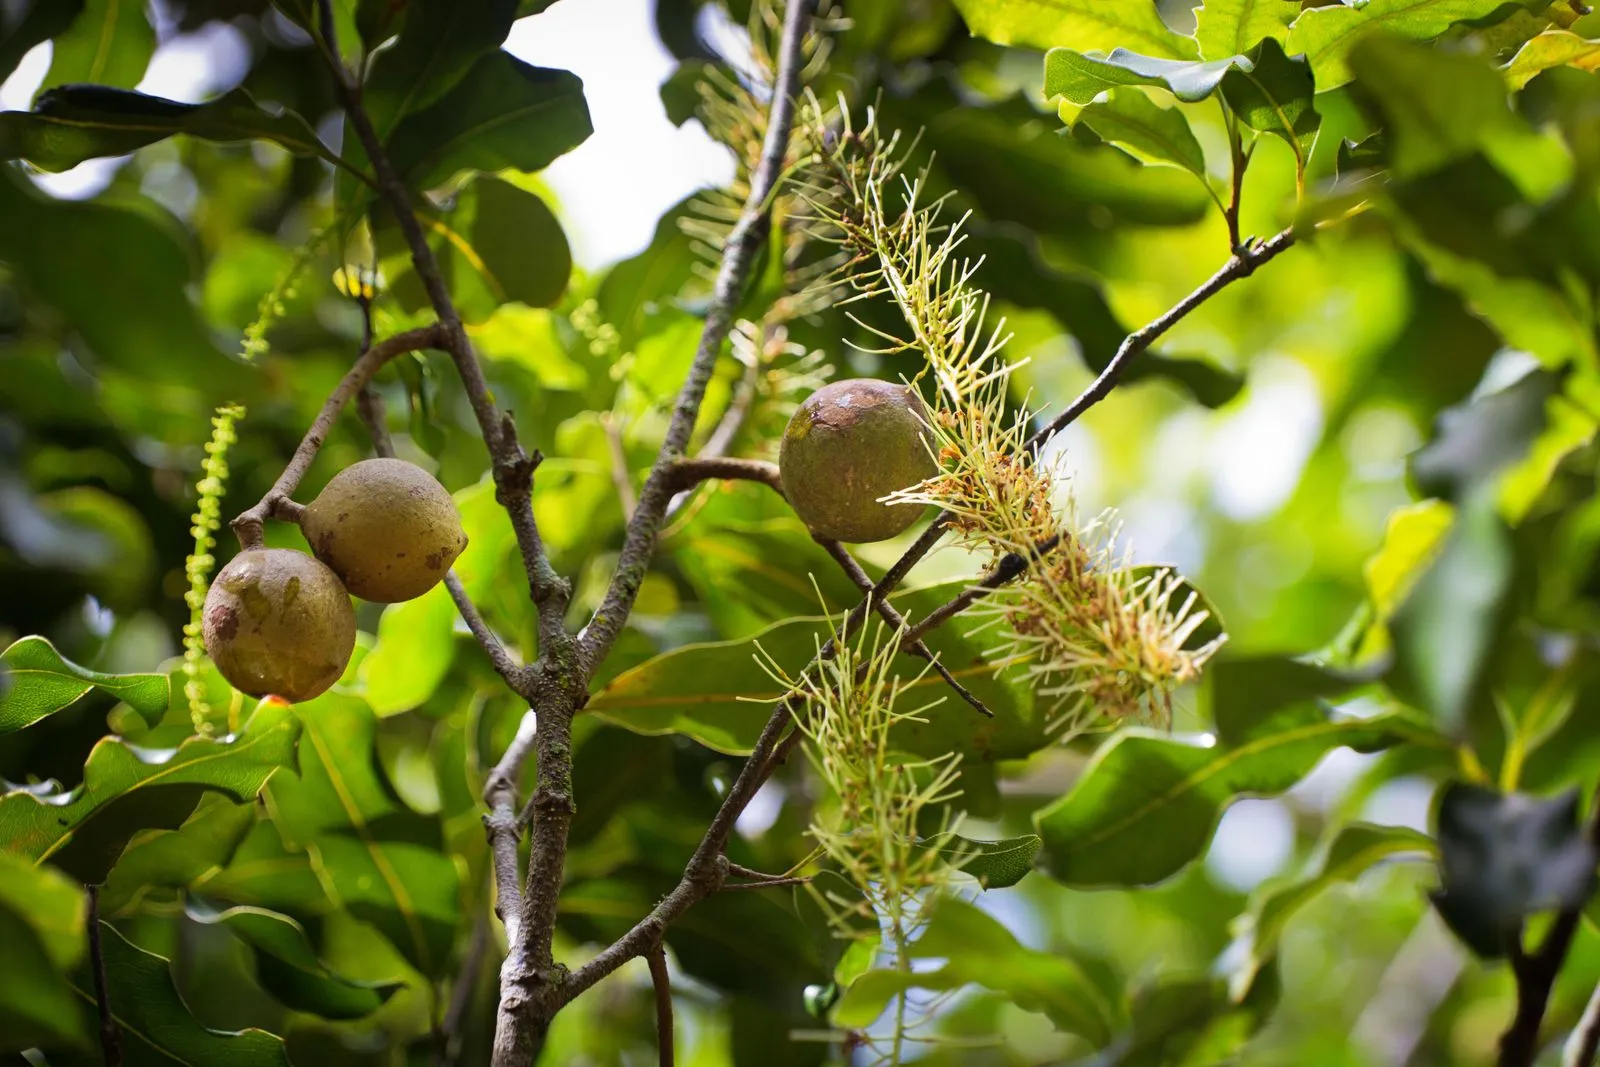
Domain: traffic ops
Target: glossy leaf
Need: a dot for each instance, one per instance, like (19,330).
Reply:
(1130,120)
(43,682)
(109,43)
(378,858)
(1326,35)
(1146,804)
(157,1027)
(996,864)
(1505,857)
(978,949)
(1233,27)
(73,123)
(288,967)
(127,789)
(416,645)
(497,243)
(176,859)
(1274,95)
(1081,77)
(1102,24)
(1353,851)
(505,114)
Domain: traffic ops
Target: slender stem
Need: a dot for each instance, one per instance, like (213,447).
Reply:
(767,883)
(466,985)
(619,465)
(1536,975)
(503,825)
(1584,1044)
(657,958)
(110,1032)
(684,474)
(721,439)
(276,504)
(738,257)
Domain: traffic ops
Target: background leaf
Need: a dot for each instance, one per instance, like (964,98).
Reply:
(1103,24)
(42,929)
(42,682)
(1326,35)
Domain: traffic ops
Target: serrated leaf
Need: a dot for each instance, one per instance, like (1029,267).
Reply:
(72,123)
(382,861)
(110,43)
(1274,95)
(157,1027)
(1325,35)
(1132,121)
(997,864)
(288,967)
(176,859)
(1504,857)
(43,682)
(1353,851)
(495,244)
(1553,48)
(1086,24)
(42,931)
(979,950)
(504,115)
(1146,805)
(37,23)
(1080,76)
(127,789)
(1233,27)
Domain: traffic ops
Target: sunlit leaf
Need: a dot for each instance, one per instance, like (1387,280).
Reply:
(1325,35)
(416,644)
(1553,48)
(1130,120)
(127,789)
(42,682)
(1233,27)
(1080,77)
(1274,95)
(1103,24)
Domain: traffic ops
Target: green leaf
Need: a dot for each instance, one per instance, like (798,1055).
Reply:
(176,859)
(43,682)
(1249,694)
(157,1027)
(127,789)
(378,858)
(72,123)
(416,645)
(1233,27)
(1080,77)
(497,243)
(1504,857)
(1132,121)
(1476,440)
(1326,35)
(996,864)
(264,873)
(110,43)
(439,43)
(838,916)
(979,950)
(1086,24)
(1274,95)
(505,115)
(1147,803)
(1353,851)
(1553,48)
(42,929)
(288,967)
(39,21)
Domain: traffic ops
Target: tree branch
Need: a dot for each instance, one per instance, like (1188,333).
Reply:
(504,827)
(684,474)
(1536,975)
(1584,1044)
(657,958)
(276,504)
(110,1033)
(739,254)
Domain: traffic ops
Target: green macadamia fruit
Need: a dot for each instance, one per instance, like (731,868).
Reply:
(278,623)
(849,444)
(387,528)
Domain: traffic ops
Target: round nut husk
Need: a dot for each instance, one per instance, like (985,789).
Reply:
(850,443)
(278,623)
(387,528)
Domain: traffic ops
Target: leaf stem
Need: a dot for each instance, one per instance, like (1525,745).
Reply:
(662,982)
(110,1032)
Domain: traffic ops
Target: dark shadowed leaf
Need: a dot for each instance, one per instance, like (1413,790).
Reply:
(1325,35)
(288,967)
(1248,694)
(109,43)
(127,789)
(32,23)
(1233,27)
(177,859)
(264,873)
(73,123)
(439,42)
(1475,441)
(42,682)
(1504,857)
(157,1027)
(997,864)
(42,934)
(978,949)
(1102,24)
(1274,95)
